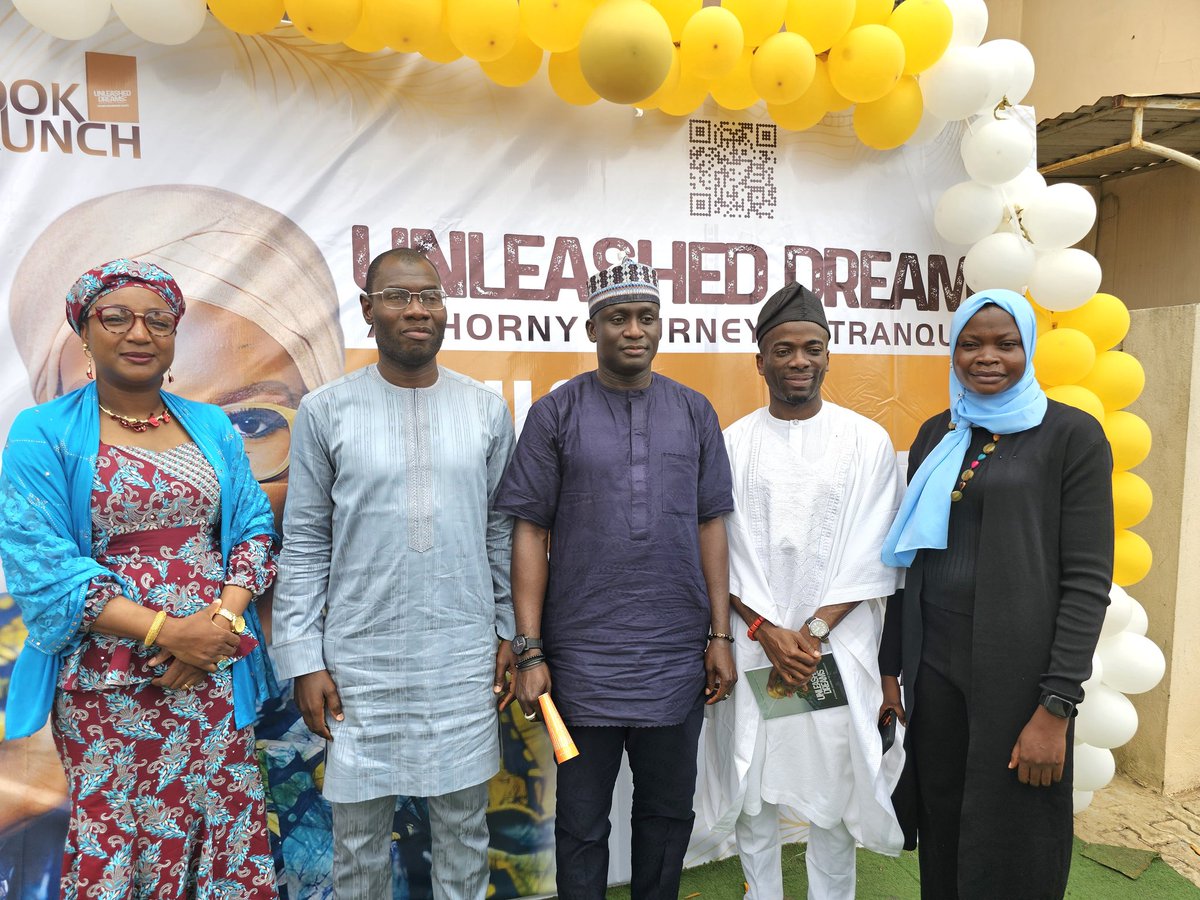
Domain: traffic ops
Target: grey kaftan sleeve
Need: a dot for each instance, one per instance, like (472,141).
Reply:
(500,525)
(298,612)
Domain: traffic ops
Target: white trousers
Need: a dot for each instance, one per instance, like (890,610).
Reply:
(829,858)
(362,846)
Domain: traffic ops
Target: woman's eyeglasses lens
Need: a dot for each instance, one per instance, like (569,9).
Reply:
(399,298)
(119,319)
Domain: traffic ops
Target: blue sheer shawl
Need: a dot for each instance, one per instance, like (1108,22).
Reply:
(924,516)
(46,540)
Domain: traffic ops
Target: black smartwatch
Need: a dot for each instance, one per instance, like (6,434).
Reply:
(523,643)
(1057,706)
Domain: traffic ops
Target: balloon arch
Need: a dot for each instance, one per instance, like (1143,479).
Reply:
(907,68)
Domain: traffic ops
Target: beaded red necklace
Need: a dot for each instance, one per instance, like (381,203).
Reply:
(969,472)
(138,425)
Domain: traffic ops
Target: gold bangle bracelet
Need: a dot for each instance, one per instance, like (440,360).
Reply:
(152,635)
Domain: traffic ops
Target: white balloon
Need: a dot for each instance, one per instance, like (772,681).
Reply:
(1060,216)
(970,22)
(1015,63)
(957,84)
(1133,664)
(1138,622)
(1002,260)
(1081,800)
(163,21)
(968,212)
(998,151)
(928,128)
(71,20)
(1094,767)
(1120,609)
(1064,279)
(1023,189)
(1106,718)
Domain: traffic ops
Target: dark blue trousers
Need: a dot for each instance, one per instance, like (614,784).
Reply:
(663,761)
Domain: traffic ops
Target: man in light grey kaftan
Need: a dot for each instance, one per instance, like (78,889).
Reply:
(395,589)
(815,489)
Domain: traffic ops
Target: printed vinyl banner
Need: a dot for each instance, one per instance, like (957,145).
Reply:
(264,173)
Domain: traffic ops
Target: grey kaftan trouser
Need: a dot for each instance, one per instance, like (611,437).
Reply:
(362,839)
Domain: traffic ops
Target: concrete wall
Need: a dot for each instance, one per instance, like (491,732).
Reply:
(1165,752)
(1146,236)
(1087,49)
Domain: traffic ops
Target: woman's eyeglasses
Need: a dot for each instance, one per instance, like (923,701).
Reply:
(119,319)
(266,430)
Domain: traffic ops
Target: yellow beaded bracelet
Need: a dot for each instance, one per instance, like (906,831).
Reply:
(152,635)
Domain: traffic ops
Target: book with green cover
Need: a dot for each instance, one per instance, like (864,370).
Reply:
(776,699)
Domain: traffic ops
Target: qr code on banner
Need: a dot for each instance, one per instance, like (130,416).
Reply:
(732,169)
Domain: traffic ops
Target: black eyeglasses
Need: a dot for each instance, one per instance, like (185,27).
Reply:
(119,319)
(399,298)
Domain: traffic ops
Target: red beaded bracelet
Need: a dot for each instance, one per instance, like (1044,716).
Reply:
(754,627)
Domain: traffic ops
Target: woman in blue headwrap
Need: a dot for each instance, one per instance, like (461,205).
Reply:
(134,539)
(1007,533)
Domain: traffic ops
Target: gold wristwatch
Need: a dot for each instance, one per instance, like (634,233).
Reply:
(237,622)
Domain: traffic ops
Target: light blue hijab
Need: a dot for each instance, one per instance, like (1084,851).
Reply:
(924,515)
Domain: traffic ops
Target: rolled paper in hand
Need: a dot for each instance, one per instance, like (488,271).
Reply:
(560,738)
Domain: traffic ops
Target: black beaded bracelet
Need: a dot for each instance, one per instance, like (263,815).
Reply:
(722,635)
(530,663)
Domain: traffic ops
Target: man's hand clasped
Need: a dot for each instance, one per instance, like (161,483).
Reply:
(795,655)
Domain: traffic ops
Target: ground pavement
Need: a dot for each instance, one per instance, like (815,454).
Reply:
(1128,815)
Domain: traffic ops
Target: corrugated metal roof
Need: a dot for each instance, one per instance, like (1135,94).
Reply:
(1098,141)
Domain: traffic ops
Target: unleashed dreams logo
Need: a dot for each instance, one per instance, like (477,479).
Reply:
(47,118)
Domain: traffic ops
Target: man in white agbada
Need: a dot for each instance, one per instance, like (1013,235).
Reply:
(815,489)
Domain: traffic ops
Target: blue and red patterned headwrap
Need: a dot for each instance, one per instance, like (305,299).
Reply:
(112,276)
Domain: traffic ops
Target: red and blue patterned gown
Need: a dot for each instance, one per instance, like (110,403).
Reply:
(167,799)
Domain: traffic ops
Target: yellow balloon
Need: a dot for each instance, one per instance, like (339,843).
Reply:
(888,122)
(677,13)
(811,106)
(1116,378)
(670,83)
(871,12)
(483,29)
(1132,558)
(820,22)
(566,78)
(1129,437)
(555,25)
(735,90)
(866,63)
(1104,319)
(1062,356)
(924,27)
(687,97)
(364,39)
(247,16)
(517,66)
(783,68)
(712,43)
(403,25)
(325,21)
(625,52)
(1078,397)
(760,18)
(439,48)
(1132,499)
